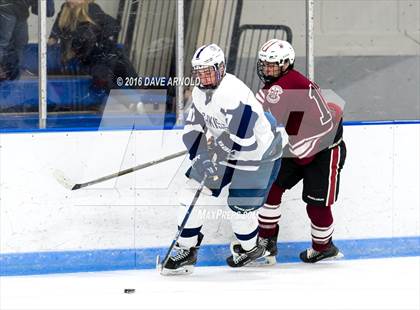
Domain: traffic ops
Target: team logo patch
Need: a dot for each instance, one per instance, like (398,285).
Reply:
(274,93)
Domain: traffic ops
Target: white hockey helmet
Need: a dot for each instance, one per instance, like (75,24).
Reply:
(274,51)
(208,59)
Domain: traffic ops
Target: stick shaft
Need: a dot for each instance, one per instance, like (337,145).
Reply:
(184,222)
(129,170)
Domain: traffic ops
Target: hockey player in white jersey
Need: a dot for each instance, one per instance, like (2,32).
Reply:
(245,153)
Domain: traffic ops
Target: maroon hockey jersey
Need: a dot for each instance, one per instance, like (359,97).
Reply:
(311,123)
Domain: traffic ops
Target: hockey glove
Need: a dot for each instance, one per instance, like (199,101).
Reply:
(225,144)
(205,166)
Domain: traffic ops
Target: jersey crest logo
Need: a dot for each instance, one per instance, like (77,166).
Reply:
(274,93)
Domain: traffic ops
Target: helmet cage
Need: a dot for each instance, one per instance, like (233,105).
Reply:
(209,76)
(277,72)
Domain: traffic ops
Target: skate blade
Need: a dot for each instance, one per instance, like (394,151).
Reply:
(333,258)
(185,270)
(158,264)
(338,256)
(263,262)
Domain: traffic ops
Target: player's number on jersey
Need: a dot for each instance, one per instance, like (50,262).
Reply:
(322,105)
(228,119)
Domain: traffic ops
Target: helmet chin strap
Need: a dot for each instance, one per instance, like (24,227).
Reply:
(217,70)
(283,73)
(208,87)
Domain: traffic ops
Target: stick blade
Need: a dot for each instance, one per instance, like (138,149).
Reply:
(63,180)
(158,264)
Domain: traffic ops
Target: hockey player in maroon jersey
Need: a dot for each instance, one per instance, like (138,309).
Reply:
(315,152)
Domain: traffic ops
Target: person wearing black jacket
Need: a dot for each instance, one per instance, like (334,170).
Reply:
(14,33)
(87,34)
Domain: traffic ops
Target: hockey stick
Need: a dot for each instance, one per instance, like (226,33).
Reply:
(160,266)
(67,183)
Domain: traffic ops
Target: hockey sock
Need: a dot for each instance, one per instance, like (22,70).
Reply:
(189,235)
(322,226)
(245,227)
(269,214)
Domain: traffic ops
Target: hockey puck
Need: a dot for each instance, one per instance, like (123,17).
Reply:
(129,291)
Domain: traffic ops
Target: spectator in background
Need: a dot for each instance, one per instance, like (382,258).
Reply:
(14,16)
(14,33)
(88,35)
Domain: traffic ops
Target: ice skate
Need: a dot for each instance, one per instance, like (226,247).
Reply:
(312,256)
(183,261)
(240,257)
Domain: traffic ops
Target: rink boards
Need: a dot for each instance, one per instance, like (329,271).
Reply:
(125,222)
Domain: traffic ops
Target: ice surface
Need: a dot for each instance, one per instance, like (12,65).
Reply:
(392,283)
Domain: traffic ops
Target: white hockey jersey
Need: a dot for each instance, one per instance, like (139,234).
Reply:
(232,115)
